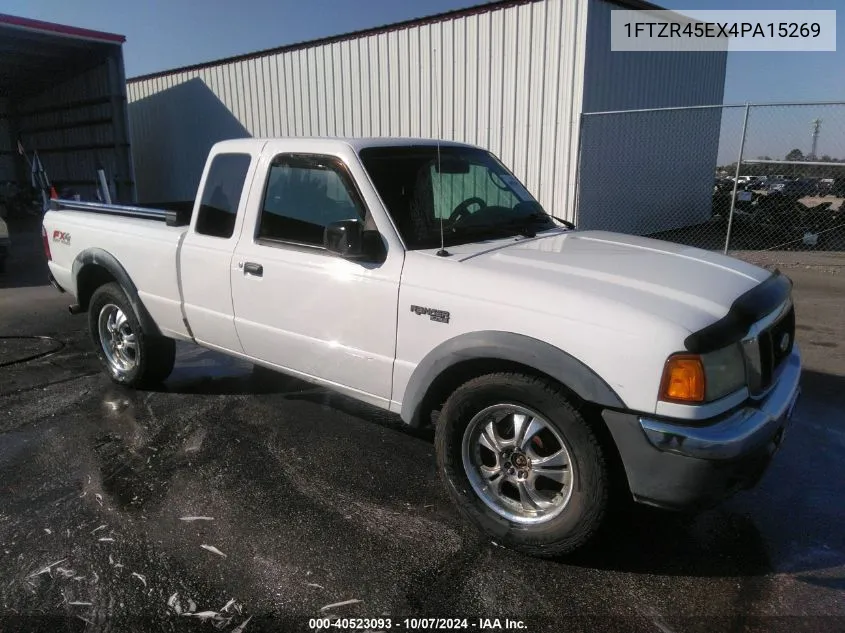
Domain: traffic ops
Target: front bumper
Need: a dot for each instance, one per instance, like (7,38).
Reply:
(677,465)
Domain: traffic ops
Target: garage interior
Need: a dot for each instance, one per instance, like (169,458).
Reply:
(62,95)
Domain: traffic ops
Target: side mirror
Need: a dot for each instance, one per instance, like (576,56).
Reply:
(348,239)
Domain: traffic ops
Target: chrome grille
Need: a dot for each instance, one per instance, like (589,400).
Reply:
(781,338)
(766,352)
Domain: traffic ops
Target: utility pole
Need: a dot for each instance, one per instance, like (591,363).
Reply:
(817,126)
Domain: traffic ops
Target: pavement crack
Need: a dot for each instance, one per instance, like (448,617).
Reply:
(44,385)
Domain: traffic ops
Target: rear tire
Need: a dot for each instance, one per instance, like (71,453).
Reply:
(130,356)
(550,496)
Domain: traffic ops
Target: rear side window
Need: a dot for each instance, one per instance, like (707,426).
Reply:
(222,194)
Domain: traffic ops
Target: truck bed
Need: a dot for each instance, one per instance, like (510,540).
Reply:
(146,247)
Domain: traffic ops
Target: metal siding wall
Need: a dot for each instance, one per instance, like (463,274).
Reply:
(565,152)
(626,81)
(633,166)
(509,79)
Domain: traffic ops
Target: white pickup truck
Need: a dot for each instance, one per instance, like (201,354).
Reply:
(423,278)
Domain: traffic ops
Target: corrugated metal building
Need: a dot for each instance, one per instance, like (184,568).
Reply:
(63,93)
(513,77)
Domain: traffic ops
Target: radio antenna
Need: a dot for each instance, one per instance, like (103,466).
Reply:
(442,252)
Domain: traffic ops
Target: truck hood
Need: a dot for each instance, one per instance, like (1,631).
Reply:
(690,287)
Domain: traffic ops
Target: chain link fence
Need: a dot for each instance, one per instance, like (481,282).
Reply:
(754,177)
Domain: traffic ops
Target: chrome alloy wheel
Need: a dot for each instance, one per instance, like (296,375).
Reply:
(119,342)
(517,463)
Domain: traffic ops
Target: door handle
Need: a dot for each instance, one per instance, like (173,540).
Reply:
(251,268)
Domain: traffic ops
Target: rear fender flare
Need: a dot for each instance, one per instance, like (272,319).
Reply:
(103,259)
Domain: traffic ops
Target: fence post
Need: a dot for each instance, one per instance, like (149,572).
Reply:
(577,192)
(736,177)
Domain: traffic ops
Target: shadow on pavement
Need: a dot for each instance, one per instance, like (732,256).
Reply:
(717,543)
(26,265)
(201,371)
(250,382)
(363,411)
(829,388)
(830,583)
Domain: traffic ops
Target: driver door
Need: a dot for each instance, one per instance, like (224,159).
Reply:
(304,309)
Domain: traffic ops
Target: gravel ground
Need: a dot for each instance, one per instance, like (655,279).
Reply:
(828,262)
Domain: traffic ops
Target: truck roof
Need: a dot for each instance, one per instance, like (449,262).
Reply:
(354,143)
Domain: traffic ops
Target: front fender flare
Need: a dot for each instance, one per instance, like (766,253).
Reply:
(104,259)
(507,346)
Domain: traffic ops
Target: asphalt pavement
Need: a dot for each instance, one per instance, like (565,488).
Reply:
(229,498)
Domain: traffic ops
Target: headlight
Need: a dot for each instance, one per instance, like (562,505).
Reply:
(700,378)
(724,372)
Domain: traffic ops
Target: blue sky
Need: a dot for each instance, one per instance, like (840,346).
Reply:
(773,77)
(781,76)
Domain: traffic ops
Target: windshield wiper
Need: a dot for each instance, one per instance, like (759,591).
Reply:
(542,215)
(527,223)
(523,225)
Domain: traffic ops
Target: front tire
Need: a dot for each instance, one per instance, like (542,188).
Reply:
(522,464)
(130,356)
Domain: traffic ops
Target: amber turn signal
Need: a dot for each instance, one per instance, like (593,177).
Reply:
(683,379)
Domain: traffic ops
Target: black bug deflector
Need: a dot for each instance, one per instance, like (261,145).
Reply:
(748,308)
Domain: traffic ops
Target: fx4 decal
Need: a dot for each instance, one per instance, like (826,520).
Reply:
(61,237)
(441,316)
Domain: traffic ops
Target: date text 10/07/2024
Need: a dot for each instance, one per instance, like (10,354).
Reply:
(416,624)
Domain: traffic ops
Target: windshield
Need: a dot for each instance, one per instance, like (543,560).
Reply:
(468,189)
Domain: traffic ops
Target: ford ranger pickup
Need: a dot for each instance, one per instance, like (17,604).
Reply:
(556,365)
